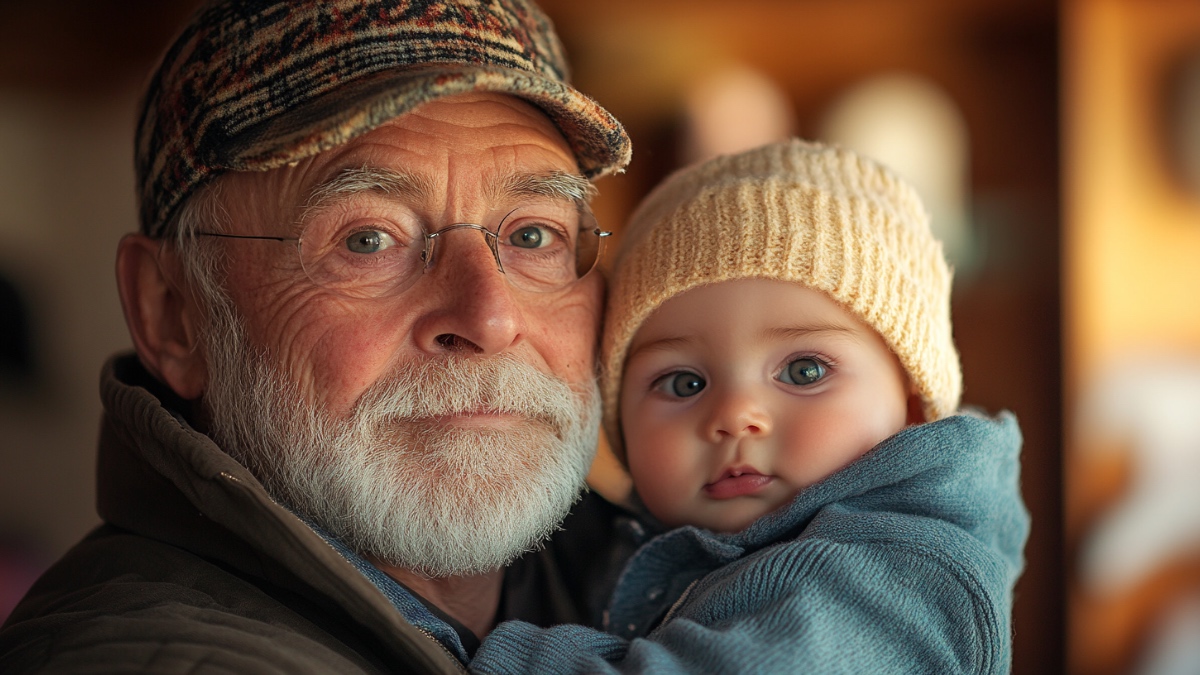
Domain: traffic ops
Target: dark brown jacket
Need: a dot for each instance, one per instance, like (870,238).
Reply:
(197,570)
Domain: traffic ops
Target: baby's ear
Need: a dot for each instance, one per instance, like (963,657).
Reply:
(916,408)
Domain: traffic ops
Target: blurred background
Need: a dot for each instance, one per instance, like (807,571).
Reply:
(1057,145)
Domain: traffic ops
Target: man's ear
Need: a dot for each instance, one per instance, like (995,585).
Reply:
(162,316)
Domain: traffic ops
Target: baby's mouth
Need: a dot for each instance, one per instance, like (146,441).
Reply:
(737,482)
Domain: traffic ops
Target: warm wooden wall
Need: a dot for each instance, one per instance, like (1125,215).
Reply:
(1131,281)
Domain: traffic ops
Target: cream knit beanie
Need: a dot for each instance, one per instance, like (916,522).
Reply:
(813,214)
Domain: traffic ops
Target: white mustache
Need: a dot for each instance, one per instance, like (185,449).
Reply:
(457,385)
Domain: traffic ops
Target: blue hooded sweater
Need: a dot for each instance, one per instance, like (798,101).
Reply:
(903,562)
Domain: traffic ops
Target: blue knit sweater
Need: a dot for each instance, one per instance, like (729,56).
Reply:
(903,562)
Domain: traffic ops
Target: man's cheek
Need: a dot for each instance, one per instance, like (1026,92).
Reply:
(339,362)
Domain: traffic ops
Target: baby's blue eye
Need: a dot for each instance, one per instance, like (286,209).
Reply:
(803,371)
(681,384)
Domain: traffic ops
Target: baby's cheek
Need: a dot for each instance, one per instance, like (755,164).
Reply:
(644,466)
(654,469)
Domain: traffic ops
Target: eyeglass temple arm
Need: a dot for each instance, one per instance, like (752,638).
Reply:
(244,236)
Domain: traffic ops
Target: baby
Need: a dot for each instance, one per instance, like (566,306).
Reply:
(781,381)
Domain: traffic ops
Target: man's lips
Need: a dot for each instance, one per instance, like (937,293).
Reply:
(493,419)
(737,482)
(479,418)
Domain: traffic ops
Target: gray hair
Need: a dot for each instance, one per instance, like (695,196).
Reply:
(204,261)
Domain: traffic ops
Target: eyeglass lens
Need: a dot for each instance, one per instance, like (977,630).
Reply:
(541,246)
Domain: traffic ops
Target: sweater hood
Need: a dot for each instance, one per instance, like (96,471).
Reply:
(963,470)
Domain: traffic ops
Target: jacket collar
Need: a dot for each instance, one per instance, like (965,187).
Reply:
(160,478)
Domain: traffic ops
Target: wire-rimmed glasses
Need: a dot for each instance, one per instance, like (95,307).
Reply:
(542,246)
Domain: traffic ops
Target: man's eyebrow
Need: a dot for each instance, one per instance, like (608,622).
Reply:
(412,187)
(555,184)
(368,179)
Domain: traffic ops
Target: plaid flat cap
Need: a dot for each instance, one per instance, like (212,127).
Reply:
(251,85)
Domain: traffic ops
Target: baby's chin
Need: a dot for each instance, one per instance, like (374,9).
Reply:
(730,516)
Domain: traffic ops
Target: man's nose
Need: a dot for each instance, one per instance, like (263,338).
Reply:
(737,412)
(468,305)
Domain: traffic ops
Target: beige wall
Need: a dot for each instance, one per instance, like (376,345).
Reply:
(66,186)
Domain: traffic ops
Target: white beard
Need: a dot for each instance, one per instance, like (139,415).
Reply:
(390,480)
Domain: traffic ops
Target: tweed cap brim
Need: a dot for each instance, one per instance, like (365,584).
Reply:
(252,85)
(596,138)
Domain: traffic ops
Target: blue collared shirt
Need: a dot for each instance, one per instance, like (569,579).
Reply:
(410,607)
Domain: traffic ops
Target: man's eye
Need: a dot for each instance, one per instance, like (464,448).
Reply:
(803,371)
(681,384)
(531,237)
(369,241)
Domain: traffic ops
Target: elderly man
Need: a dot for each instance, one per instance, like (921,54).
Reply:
(365,325)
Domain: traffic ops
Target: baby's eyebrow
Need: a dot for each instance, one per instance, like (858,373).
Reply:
(661,344)
(801,331)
